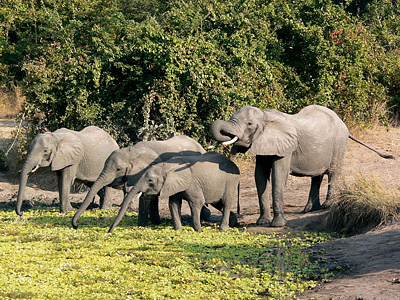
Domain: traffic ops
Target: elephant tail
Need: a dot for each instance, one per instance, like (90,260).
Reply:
(238,198)
(381,154)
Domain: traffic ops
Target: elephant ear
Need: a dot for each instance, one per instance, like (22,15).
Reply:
(177,178)
(69,151)
(279,137)
(140,159)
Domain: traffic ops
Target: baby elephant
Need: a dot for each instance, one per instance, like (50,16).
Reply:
(210,178)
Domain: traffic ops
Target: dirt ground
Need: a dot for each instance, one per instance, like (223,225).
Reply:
(372,258)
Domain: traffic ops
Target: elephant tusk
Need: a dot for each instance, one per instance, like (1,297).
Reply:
(212,146)
(35,168)
(138,195)
(231,141)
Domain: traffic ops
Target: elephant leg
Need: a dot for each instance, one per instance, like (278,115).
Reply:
(233,220)
(175,204)
(205,214)
(195,208)
(144,203)
(153,211)
(148,205)
(313,198)
(333,178)
(280,174)
(65,179)
(262,176)
(105,198)
(226,214)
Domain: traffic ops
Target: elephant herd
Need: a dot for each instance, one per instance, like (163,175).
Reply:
(310,143)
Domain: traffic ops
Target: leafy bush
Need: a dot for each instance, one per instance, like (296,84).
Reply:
(362,205)
(43,258)
(187,63)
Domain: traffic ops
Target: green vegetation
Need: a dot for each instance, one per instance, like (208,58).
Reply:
(364,204)
(42,257)
(125,64)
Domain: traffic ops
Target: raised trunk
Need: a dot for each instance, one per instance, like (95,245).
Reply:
(124,207)
(23,179)
(220,130)
(102,181)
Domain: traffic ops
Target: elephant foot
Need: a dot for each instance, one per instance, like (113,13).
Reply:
(326,205)
(142,223)
(312,207)
(155,220)
(263,220)
(106,206)
(278,221)
(65,210)
(93,205)
(222,228)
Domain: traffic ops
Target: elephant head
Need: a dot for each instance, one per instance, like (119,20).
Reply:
(164,179)
(123,166)
(58,150)
(268,132)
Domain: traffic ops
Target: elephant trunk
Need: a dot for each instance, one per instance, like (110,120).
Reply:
(28,167)
(102,181)
(220,130)
(124,206)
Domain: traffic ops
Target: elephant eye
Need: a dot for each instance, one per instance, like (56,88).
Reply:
(249,123)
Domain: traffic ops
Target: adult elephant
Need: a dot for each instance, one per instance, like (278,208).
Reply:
(73,155)
(309,143)
(126,165)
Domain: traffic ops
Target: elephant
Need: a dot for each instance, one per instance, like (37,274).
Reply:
(126,165)
(310,143)
(73,155)
(210,178)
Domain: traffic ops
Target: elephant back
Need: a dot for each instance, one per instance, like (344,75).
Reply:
(97,145)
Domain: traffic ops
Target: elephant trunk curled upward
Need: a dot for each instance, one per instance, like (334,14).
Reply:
(210,178)
(73,155)
(310,143)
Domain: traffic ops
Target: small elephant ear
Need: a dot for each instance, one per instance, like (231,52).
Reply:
(177,178)
(278,138)
(69,152)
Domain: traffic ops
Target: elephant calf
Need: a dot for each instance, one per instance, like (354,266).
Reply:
(210,178)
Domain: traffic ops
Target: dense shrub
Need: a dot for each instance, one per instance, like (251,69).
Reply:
(125,65)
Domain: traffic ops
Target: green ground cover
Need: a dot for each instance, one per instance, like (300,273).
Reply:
(42,257)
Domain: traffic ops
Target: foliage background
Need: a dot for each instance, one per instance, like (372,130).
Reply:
(131,65)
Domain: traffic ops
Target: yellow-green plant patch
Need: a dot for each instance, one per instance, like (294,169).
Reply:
(42,257)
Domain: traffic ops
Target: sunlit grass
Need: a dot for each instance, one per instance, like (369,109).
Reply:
(363,204)
(42,257)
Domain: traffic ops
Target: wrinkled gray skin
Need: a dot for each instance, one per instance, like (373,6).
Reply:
(309,143)
(210,178)
(126,165)
(73,155)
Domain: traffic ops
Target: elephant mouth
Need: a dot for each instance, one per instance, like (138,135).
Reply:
(34,169)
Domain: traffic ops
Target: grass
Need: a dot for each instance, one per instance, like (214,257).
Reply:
(364,204)
(42,257)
